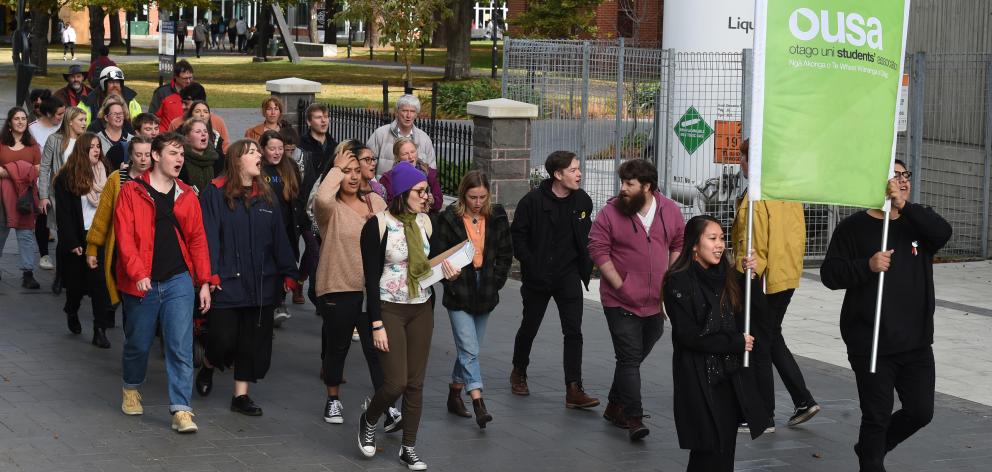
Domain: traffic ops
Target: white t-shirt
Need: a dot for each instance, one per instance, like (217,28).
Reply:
(40,132)
(647,219)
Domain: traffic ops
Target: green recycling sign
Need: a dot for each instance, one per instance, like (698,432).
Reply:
(692,130)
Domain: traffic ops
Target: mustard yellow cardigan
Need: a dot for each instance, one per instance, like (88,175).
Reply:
(101,233)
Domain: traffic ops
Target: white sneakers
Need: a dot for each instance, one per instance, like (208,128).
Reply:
(46,263)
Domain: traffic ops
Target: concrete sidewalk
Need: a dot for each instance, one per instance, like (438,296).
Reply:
(963,327)
(60,400)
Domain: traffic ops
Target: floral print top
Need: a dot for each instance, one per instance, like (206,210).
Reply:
(392,285)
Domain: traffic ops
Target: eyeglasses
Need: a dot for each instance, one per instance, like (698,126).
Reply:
(116,115)
(423,192)
(904,174)
(368,159)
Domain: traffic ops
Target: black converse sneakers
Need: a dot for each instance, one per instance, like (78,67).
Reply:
(408,456)
(366,437)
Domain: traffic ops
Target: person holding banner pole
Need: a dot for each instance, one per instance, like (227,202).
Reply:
(713,392)
(779,241)
(904,361)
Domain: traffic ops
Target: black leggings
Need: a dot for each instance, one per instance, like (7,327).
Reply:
(41,233)
(241,337)
(342,313)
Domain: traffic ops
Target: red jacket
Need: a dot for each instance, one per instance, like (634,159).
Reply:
(134,225)
(170,108)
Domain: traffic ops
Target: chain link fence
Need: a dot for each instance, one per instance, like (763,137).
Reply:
(609,102)
(595,98)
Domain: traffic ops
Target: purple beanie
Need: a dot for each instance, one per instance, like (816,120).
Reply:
(403,177)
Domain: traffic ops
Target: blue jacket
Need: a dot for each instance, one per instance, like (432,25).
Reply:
(249,250)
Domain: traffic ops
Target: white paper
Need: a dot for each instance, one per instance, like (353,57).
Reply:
(460,258)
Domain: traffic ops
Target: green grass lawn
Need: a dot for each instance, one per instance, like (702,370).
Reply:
(481,55)
(236,82)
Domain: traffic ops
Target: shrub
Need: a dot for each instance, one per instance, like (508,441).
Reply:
(453,96)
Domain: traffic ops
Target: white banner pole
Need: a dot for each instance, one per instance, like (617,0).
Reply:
(878,299)
(747,279)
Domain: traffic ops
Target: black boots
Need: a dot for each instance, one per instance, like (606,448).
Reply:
(28,281)
(100,338)
(455,404)
(72,320)
(482,415)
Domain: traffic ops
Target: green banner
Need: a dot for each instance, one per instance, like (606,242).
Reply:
(826,82)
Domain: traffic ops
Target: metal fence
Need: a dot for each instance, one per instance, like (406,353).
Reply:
(609,103)
(596,98)
(452,140)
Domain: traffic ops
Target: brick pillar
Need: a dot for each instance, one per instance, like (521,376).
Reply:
(502,140)
(290,91)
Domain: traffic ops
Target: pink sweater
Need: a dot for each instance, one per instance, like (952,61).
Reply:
(340,266)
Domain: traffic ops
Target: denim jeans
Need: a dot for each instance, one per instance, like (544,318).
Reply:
(468,330)
(170,303)
(26,245)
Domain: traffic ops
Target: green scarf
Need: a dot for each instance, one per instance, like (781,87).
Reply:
(417,268)
(200,167)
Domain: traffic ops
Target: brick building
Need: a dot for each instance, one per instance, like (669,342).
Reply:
(614,18)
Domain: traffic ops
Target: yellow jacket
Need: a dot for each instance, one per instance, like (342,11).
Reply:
(101,232)
(779,241)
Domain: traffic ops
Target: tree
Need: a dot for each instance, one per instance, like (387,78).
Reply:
(406,24)
(558,19)
(458,63)
(96,30)
(330,25)
(115,28)
(264,31)
(636,11)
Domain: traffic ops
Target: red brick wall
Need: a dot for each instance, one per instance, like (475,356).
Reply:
(606,19)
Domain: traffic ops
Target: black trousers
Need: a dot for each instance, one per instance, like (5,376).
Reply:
(241,337)
(181,42)
(727,414)
(199,46)
(764,342)
(912,375)
(782,359)
(41,233)
(86,281)
(342,313)
(633,337)
(67,47)
(568,296)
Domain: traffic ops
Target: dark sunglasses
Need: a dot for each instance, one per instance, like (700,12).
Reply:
(904,174)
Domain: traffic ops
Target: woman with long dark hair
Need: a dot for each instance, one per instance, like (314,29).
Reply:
(473,296)
(341,210)
(283,176)
(714,393)
(253,268)
(77,188)
(19,161)
(57,149)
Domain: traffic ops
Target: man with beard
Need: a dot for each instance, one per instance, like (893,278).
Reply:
(75,89)
(550,233)
(633,240)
